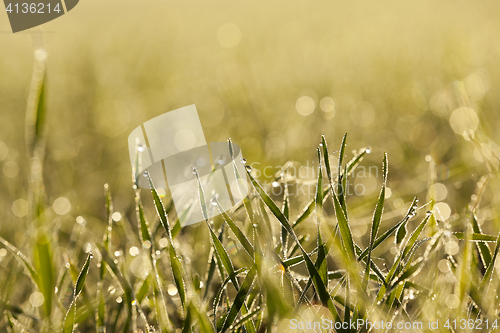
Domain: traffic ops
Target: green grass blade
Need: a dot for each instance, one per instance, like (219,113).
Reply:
(377,217)
(310,209)
(239,299)
(23,260)
(415,234)
(160,209)
(482,247)
(345,230)
(177,272)
(204,323)
(286,212)
(464,270)
(144,231)
(124,284)
(341,177)
(347,310)
(321,264)
(45,268)
(175,262)
(36,108)
(222,288)
(313,272)
(396,266)
(188,321)
(388,233)
(143,289)
(82,276)
(489,271)
(245,243)
(69,320)
(326,157)
(353,163)
(476,237)
(211,267)
(244,319)
(239,183)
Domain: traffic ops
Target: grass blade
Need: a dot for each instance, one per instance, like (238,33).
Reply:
(313,272)
(482,248)
(377,217)
(23,260)
(345,230)
(489,271)
(69,320)
(239,299)
(341,177)
(45,268)
(381,239)
(415,234)
(245,243)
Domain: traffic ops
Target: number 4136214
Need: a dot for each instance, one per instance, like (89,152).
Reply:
(33,8)
(471,324)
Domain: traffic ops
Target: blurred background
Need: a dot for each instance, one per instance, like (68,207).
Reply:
(418,80)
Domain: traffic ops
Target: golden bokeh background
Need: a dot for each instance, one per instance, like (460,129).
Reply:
(419,80)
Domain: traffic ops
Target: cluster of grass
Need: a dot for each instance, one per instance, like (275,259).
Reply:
(262,268)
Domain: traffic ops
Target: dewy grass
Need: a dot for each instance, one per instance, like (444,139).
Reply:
(263,273)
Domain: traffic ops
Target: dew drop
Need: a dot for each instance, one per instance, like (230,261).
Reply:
(222,160)
(243,160)
(368,150)
(140,148)
(195,171)
(275,184)
(248,167)
(91,255)
(428,213)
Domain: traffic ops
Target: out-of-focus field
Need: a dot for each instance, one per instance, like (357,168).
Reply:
(419,81)
(394,71)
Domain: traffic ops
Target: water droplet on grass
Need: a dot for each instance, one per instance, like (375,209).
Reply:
(368,150)
(248,167)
